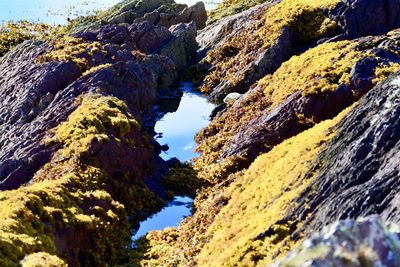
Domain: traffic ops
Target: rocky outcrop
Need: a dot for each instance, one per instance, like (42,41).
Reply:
(281,106)
(75,158)
(159,12)
(216,33)
(360,169)
(47,91)
(365,242)
(257,41)
(352,17)
(313,140)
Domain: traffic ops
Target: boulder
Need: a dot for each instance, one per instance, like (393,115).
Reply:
(362,242)
(232,97)
(355,16)
(36,96)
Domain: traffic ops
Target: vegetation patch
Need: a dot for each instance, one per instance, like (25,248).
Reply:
(245,212)
(71,209)
(247,225)
(182,180)
(231,7)
(319,70)
(305,22)
(14,33)
(75,50)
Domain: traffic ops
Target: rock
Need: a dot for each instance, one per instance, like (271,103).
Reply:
(37,97)
(158,12)
(363,242)
(240,56)
(149,38)
(265,62)
(196,13)
(215,34)
(183,49)
(251,127)
(232,97)
(353,16)
(360,169)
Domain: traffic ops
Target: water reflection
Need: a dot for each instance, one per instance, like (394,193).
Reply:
(179,128)
(170,216)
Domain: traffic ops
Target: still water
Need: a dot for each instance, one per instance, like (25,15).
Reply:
(178,129)
(170,216)
(57,11)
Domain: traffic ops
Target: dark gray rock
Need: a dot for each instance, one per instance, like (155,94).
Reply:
(158,12)
(36,97)
(365,17)
(362,242)
(360,165)
(269,128)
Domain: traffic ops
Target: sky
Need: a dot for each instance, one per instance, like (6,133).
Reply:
(55,11)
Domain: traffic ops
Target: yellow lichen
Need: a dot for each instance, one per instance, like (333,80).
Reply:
(304,21)
(317,71)
(72,49)
(42,259)
(262,197)
(14,33)
(75,194)
(230,7)
(95,69)
(305,17)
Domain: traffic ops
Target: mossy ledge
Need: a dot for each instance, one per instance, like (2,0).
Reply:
(319,73)
(74,209)
(277,31)
(231,214)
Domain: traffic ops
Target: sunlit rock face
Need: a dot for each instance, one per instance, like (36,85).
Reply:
(75,157)
(362,242)
(312,140)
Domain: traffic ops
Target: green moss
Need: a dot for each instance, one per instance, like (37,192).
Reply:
(182,180)
(42,259)
(319,70)
(304,20)
(230,216)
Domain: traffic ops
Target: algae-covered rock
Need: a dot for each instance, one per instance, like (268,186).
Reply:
(312,141)
(42,259)
(305,90)
(362,242)
(40,83)
(274,31)
(74,159)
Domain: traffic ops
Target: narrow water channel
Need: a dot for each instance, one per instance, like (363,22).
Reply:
(177,130)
